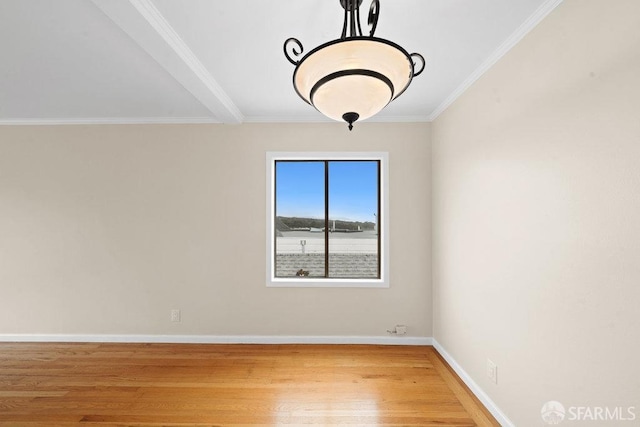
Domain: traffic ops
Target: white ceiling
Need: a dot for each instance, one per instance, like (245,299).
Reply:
(174,61)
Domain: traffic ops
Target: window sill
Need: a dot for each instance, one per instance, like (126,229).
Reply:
(327,283)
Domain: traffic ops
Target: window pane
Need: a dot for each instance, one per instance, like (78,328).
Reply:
(299,224)
(353,216)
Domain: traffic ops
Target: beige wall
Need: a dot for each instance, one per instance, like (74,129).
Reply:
(536,217)
(104,229)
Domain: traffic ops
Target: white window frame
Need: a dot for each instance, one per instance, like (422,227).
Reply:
(383,225)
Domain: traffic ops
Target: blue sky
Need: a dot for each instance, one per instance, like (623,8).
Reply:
(353,190)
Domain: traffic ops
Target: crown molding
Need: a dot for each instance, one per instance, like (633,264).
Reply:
(318,118)
(194,120)
(108,121)
(545,9)
(148,28)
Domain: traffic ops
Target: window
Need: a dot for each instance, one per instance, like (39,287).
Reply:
(327,216)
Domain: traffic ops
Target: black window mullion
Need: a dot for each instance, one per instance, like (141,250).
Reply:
(326,219)
(275,218)
(379,221)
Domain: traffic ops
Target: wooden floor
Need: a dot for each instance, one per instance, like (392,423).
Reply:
(231,385)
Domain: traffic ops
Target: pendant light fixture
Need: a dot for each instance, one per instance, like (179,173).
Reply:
(353,77)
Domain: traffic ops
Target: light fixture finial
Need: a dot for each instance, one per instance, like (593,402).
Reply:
(350,118)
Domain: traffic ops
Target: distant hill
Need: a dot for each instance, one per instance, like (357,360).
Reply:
(284,223)
(281,225)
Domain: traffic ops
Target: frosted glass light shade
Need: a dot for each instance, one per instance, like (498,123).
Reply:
(356,75)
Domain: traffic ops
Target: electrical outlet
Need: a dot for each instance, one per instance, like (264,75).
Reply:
(175,315)
(492,371)
(398,330)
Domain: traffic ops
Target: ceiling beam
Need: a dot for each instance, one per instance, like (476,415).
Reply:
(144,23)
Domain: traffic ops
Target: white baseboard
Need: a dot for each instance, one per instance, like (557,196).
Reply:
(473,386)
(217,339)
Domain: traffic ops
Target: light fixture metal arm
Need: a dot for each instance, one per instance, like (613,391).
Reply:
(358,21)
(296,52)
(422,62)
(346,21)
(352,18)
(374,14)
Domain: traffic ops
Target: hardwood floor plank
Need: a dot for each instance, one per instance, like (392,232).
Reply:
(231,385)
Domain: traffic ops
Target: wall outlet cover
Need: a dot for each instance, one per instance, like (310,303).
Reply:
(401,330)
(492,371)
